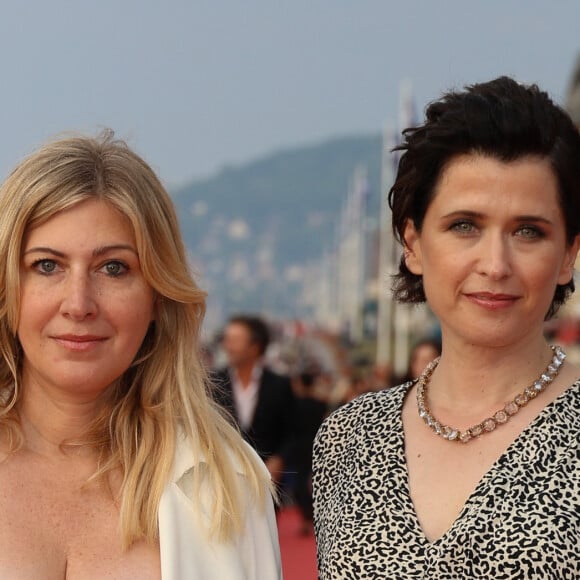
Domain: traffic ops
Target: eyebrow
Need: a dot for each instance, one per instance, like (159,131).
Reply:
(519,218)
(97,252)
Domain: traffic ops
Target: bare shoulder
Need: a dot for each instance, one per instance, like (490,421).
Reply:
(569,376)
(570,371)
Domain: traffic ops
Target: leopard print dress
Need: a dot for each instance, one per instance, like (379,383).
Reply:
(522,520)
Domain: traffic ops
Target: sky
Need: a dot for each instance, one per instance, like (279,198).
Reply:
(194,85)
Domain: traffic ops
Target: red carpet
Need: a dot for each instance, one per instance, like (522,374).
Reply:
(298,552)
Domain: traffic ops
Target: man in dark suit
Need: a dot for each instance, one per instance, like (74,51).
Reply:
(261,401)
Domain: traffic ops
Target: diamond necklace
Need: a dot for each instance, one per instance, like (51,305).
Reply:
(500,417)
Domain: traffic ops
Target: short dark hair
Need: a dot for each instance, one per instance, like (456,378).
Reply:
(502,119)
(258,329)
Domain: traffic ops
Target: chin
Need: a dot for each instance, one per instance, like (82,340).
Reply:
(83,385)
(495,341)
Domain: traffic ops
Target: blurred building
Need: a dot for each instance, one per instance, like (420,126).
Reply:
(348,290)
(336,287)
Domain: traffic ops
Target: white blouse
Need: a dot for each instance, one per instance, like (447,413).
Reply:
(186,551)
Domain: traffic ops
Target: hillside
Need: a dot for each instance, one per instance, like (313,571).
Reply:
(250,229)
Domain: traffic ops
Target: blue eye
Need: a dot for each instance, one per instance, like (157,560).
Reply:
(530,232)
(45,266)
(462,227)
(115,268)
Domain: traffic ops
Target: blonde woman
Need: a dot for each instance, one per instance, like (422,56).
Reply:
(115,461)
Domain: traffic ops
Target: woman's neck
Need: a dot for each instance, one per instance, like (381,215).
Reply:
(473,379)
(55,426)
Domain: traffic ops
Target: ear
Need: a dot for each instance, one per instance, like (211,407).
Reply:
(567,269)
(412,249)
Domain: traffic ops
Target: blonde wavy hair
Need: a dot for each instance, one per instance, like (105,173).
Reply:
(165,392)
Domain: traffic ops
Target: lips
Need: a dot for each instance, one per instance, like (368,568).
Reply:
(492,300)
(492,296)
(79,342)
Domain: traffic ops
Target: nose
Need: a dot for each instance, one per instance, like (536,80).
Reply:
(78,299)
(495,257)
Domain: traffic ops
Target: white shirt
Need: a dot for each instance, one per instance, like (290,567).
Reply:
(246,396)
(188,554)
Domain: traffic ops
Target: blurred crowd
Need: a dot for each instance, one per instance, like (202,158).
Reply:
(278,383)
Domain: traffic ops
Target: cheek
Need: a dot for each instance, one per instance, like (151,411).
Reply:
(35,311)
(130,340)
(138,326)
(134,315)
(540,273)
(141,321)
(442,265)
(437,273)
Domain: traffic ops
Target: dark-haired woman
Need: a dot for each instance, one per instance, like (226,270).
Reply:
(471,471)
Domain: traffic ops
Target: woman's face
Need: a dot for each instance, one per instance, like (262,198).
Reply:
(492,249)
(85,306)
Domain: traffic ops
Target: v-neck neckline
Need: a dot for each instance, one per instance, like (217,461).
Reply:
(476,496)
